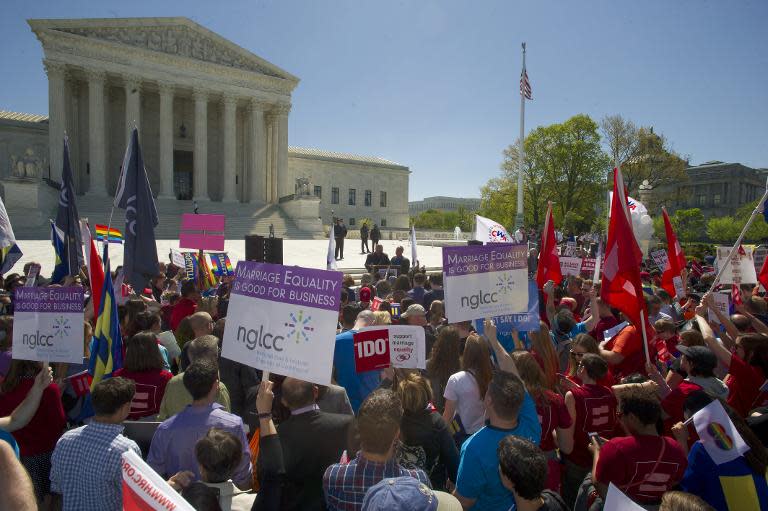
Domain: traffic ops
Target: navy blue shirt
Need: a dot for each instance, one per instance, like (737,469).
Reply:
(357,385)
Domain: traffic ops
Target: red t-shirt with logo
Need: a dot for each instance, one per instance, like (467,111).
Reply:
(150,388)
(673,403)
(595,413)
(630,464)
(552,414)
(602,325)
(744,382)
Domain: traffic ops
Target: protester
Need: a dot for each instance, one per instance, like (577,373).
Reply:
(143,365)
(311,441)
(38,438)
(364,238)
(239,379)
(375,235)
(357,385)
(425,440)
(545,354)
(176,396)
(418,291)
(583,344)
(23,414)
(465,390)
(218,455)
(187,305)
(435,292)
(444,360)
(16,487)
(173,444)
(403,263)
(737,484)
(523,469)
(378,421)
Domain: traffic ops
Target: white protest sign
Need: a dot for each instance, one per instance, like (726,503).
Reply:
(660,259)
(615,500)
(145,490)
(570,248)
(283,319)
(48,324)
(177,258)
(485,281)
(407,346)
(741,269)
(570,265)
(721,304)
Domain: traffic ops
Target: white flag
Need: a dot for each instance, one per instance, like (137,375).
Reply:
(615,500)
(489,231)
(718,434)
(414,257)
(9,251)
(330,259)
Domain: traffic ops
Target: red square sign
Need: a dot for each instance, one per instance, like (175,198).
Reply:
(371,350)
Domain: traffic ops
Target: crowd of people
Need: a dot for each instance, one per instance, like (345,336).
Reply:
(540,420)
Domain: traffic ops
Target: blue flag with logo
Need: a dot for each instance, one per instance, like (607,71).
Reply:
(134,195)
(60,265)
(68,220)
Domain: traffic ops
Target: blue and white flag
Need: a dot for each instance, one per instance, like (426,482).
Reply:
(68,220)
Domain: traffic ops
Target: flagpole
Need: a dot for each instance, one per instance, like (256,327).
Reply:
(645,336)
(519,217)
(758,209)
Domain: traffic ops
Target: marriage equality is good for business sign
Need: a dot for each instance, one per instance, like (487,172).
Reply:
(283,319)
(485,281)
(48,324)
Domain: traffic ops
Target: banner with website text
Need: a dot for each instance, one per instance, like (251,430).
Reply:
(48,324)
(283,319)
(485,281)
(145,490)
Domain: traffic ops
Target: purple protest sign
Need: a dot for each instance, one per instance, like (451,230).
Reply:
(48,324)
(288,284)
(283,319)
(475,259)
(485,281)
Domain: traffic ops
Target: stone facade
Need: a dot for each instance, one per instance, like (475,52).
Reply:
(441,203)
(717,188)
(212,118)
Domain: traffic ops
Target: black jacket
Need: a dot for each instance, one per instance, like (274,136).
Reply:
(311,442)
(428,430)
(364,232)
(339,231)
(375,234)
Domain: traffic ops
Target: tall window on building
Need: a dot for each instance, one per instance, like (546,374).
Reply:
(368,198)
(383,222)
(702,200)
(352,221)
(319,192)
(383,199)
(352,196)
(716,199)
(334,195)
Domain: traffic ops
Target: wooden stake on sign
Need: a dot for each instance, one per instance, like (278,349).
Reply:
(265,376)
(645,337)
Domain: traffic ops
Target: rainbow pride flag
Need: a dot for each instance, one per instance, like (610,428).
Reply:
(220,264)
(115,236)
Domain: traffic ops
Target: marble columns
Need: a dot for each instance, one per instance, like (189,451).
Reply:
(200,174)
(230,140)
(166,140)
(96,133)
(56,115)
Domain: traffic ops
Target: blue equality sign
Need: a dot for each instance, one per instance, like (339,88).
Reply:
(522,322)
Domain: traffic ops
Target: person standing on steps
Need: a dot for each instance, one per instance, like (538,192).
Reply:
(364,239)
(375,235)
(194,205)
(339,232)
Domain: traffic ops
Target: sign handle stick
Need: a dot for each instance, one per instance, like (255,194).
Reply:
(645,337)
(265,376)
(736,246)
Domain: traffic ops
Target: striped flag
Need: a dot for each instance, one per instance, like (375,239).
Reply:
(107,354)
(115,236)
(525,85)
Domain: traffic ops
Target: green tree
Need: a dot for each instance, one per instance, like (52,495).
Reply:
(689,224)
(654,162)
(563,164)
(723,229)
(759,230)
(621,138)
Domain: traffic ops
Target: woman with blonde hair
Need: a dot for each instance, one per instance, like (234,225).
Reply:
(544,352)
(465,390)
(425,439)
(444,361)
(581,345)
(382,318)
(553,415)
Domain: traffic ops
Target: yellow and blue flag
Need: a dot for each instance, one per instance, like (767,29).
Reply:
(107,352)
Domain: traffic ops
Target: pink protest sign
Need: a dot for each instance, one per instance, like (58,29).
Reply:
(202,232)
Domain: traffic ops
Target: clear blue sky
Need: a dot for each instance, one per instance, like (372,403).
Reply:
(433,84)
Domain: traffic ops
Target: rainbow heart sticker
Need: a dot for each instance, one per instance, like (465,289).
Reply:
(719,435)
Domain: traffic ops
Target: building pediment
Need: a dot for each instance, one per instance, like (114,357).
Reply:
(179,37)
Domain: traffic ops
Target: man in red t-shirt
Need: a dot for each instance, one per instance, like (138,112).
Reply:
(187,305)
(592,408)
(643,465)
(624,352)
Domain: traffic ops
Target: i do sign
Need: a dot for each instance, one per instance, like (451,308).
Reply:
(396,346)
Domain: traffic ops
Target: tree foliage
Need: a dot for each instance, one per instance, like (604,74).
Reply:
(563,164)
(689,225)
(654,162)
(444,220)
(621,138)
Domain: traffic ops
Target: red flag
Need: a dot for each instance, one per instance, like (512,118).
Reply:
(95,267)
(549,262)
(736,294)
(620,286)
(675,257)
(763,276)
(81,383)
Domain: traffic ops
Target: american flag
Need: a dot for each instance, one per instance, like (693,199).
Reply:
(525,85)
